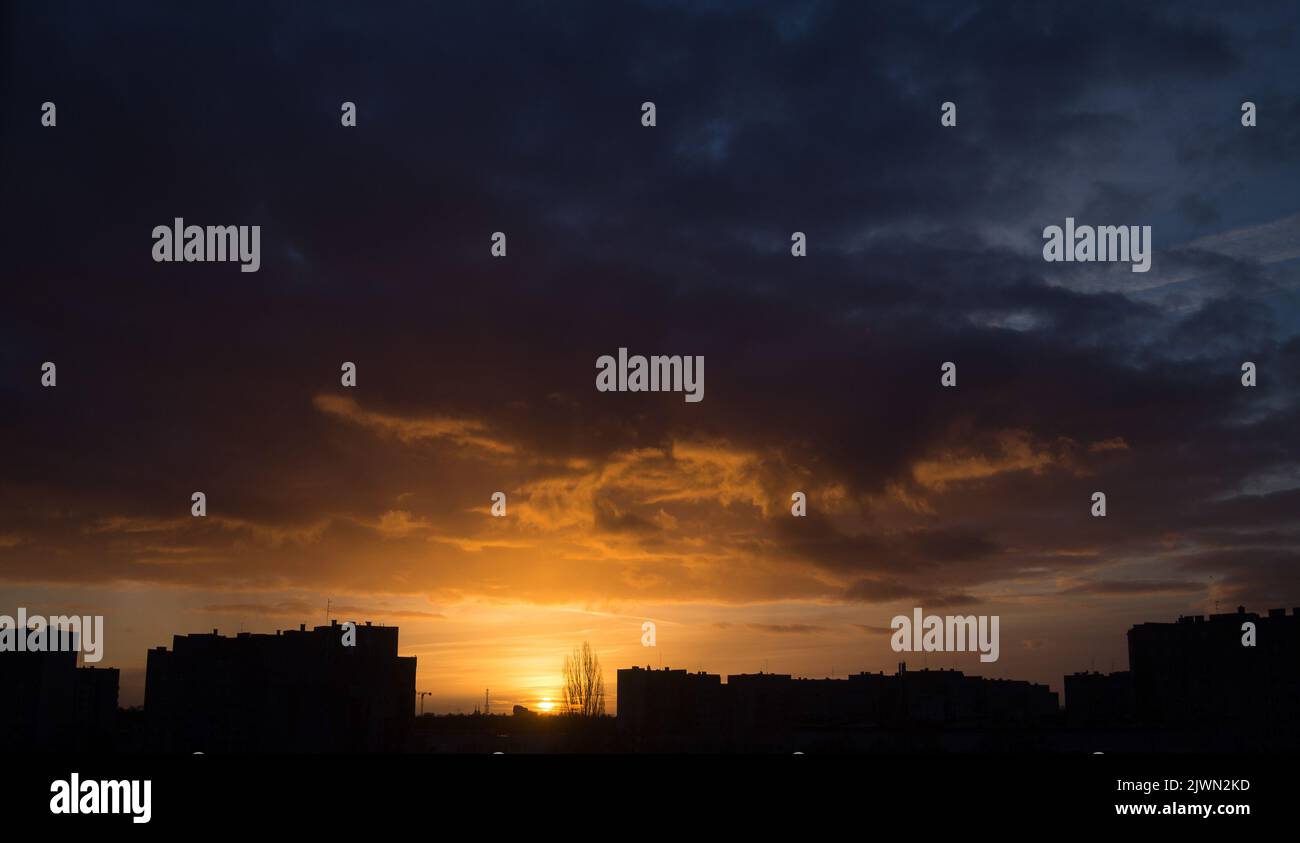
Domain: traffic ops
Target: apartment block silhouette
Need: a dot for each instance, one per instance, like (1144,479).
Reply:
(294,691)
(49,704)
(749,707)
(1198,674)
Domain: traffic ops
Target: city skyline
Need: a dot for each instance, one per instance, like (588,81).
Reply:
(477,365)
(551,702)
(1227,682)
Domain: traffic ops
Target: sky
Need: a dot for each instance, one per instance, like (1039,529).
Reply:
(476,374)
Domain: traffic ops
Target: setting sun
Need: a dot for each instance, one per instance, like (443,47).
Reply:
(546,704)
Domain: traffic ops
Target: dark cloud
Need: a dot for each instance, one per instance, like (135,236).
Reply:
(298,608)
(787,628)
(886,591)
(1108,587)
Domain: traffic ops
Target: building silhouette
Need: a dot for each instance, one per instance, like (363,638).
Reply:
(748,711)
(1196,675)
(1100,700)
(951,698)
(49,704)
(294,691)
(670,701)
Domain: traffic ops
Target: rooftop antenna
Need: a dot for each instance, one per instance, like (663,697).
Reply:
(327,611)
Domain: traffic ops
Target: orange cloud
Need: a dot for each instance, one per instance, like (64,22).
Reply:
(407,430)
(1015,451)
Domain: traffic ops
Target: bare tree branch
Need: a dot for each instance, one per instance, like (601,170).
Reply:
(584,684)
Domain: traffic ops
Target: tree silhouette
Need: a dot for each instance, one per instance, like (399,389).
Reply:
(584,685)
